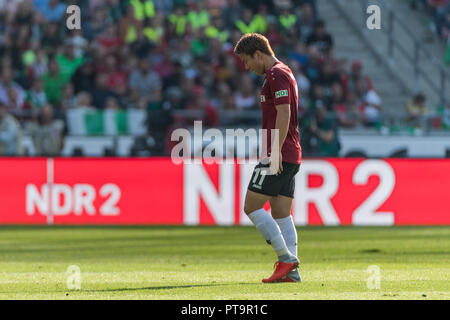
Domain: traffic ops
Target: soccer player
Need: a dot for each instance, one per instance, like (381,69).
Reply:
(279,102)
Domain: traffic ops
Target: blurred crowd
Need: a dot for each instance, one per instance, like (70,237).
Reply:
(166,56)
(439,24)
(440,13)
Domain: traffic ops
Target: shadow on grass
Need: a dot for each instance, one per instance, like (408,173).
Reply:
(139,289)
(171,287)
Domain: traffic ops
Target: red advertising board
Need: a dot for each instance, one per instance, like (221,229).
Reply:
(156,191)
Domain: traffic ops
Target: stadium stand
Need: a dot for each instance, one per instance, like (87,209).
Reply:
(140,68)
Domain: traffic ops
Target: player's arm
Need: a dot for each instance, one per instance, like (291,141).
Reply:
(282,125)
(279,83)
(282,122)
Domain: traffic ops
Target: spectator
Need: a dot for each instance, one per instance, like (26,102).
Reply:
(248,23)
(84,101)
(306,22)
(11,53)
(38,65)
(446,117)
(68,101)
(372,109)
(166,7)
(182,53)
(10,7)
(108,41)
(51,38)
(143,9)
(54,81)
(440,10)
(272,34)
(47,133)
(299,54)
(12,94)
(36,96)
(318,98)
(145,82)
(327,78)
(97,24)
(112,104)
(447,55)
(84,78)
(417,110)
(154,30)
(175,78)
(197,16)
(223,91)
(165,67)
(79,43)
(320,38)
(446,28)
(354,116)
(10,133)
(418,4)
(68,62)
(245,98)
(357,82)
(128,26)
(287,19)
(158,123)
(341,70)
(200,101)
(52,10)
(313,64)
(204,72)
(216,30)
(101,92)
(339,107)
(303,82)
(173,98)
(232,13)
(229,103)
(117,78)
(325,128)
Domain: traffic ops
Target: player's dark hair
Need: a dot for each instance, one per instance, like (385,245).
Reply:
(250,42)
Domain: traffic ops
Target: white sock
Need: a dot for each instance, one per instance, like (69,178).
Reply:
(269,229)
(289,233)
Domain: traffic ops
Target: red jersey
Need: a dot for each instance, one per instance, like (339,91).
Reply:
(280,87)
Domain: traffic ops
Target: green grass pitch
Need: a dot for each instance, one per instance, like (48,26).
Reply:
(140,262)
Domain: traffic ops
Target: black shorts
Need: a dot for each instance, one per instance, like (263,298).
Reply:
(274,185)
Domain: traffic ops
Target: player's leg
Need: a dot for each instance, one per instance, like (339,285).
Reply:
(281,212)
(266,225)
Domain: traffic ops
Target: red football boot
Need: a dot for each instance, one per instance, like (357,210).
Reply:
(281,270)
(285,279)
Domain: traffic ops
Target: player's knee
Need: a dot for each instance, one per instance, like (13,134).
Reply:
(249,209)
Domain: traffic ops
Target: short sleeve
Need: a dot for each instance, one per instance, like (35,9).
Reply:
(279,86)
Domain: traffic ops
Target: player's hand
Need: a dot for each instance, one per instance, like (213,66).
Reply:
(280,165)
(276,165)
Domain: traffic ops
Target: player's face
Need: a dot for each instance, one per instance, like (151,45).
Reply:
(253,63)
